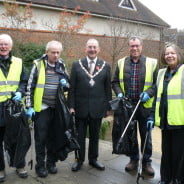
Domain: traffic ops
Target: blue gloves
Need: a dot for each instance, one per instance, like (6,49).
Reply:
(150,125)
(144,97)
(18,96)
(120,95)
(30,112)
(63,82)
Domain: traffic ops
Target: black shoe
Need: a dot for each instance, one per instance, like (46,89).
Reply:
(76,165)
(22,173)
(163,182)
(41,172)
(97,164)
(2,176)
(52,169)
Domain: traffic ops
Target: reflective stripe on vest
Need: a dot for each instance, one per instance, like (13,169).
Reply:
(11,83)
(175,97)
(38,92)
(150,68)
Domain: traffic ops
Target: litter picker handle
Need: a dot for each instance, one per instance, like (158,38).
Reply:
(130,119)
(74,124)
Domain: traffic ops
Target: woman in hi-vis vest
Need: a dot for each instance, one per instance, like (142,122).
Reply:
(168,115)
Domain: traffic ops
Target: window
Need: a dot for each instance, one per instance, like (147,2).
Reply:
(127,4)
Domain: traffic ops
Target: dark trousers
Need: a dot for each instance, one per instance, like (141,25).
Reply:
(13,148)
(141,124)
(172,161)
(2,164)
(44,137)
(94,128)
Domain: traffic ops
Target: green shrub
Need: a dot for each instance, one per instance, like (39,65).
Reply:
(28,52)
(104,128)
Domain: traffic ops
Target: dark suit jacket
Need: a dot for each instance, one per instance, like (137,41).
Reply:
(87,100)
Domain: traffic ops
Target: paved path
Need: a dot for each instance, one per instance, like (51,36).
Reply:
(113,174)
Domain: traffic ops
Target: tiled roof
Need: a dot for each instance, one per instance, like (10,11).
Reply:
(107,8)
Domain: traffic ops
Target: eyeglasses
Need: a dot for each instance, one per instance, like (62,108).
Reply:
(3,44)
(168,53)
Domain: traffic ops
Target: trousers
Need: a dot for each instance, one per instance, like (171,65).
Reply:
(94,128)
(44,138)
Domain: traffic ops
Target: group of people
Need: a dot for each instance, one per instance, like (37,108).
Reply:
(89,92)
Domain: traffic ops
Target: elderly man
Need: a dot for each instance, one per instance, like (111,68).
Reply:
(48,72)
(13,80)
(89,95)
(135,77)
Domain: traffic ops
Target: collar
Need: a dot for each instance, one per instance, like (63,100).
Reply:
(132,61)
(88,60)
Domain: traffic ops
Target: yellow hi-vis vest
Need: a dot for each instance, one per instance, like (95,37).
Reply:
(10,83)
(151,64)
(175,97)
(39,89)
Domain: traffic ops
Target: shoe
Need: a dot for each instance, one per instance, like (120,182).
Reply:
(177,182)
(76,165)
(147,169)
(97,165)
(2,176)
(132,165)
(41,172)
(21,172)
(52,169)
(163,182)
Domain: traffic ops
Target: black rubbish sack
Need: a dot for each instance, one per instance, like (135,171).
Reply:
(17,139)
(123,110)
(65,136)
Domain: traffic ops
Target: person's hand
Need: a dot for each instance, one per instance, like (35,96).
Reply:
(150,125)
(144,97)
(18,96)
(63,82)
(30,112)
(120,95)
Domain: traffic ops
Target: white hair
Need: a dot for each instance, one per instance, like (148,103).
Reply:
(7,38)
(54,43)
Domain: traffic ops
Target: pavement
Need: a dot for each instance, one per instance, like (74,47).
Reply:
(113,174)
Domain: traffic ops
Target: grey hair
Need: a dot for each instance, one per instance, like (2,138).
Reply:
(7,37)
(54,43)
(135,38)
(92,40)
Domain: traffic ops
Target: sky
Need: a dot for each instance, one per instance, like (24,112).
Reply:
(170,11)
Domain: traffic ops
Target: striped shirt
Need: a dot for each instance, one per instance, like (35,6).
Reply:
(51,86)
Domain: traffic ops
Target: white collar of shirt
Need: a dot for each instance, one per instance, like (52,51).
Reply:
(88,60)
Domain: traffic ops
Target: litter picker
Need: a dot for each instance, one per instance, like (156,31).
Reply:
(121,138)
(76,135)
(139,174)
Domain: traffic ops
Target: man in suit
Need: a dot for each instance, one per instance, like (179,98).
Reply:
(90,92)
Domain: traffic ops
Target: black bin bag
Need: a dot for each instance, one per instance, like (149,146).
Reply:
(123,109)
(17,138)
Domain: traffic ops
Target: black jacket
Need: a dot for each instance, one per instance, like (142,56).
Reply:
(87,100)
(5,66)
(59,68)
(127,67)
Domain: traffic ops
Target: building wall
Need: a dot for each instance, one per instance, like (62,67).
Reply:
(45,19)
(44,22)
